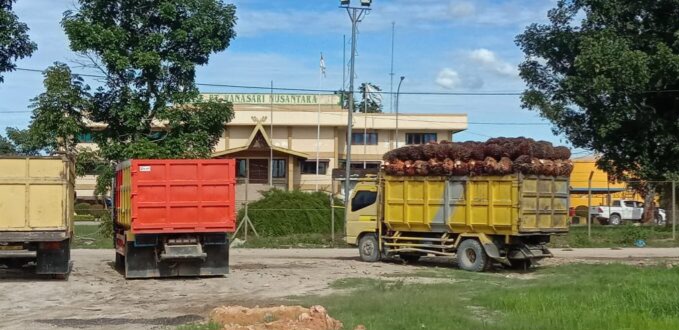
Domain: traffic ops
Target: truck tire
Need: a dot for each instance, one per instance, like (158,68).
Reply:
(369,248)
(471,256)
(615,219)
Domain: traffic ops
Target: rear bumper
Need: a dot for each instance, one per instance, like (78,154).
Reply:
(162,255)
(33,236)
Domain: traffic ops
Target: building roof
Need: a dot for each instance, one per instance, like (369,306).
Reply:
(261,132)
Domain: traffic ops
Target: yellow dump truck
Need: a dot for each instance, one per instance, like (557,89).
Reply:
(36,208)
(483,219)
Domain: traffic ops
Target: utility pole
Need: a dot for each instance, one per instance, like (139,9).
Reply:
(356,14)
(398,92)
(391,73)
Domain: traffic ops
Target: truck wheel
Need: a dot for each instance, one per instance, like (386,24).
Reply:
(369,248)
(615,219)
(471,256)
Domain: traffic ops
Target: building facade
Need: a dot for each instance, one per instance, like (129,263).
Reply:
(280,142)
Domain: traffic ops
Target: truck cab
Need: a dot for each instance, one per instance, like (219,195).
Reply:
(362,211)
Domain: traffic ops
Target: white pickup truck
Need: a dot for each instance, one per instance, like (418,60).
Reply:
(621,210)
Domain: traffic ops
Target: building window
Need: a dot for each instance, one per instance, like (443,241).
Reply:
(420,138)
(359,165)
(309,167)
(279,168)
(242,168)
(364,138)
(85,137)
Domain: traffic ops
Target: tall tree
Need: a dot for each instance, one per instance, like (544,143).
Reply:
(371,99)
(14,40)
(6,146)
(149,50)
(22,142)
(58,112)
(606,74)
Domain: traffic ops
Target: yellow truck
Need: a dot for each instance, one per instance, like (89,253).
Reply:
(36,208)
(482,219)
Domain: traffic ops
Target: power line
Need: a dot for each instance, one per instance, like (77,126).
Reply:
(328,91)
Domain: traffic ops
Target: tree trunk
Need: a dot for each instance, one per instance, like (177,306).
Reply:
(649,205)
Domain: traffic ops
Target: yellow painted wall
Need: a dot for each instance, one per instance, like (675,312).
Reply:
(579,180)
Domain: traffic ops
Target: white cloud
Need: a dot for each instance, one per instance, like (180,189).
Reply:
(462,9)
(490,61)
(451,79)
(448,78)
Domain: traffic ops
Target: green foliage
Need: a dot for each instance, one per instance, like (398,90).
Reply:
(58,112)
(296,241)
(6,146)
(630,234)
(606,74)
(149,54)
(20,142)
(90,237)
(201,326)
(14,40)
(570,297)
(106,225)
(83,217)
(614,236)
(281,213)
(372,105)
(88,162)
(82,208)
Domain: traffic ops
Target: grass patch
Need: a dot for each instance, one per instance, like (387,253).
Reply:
(570,297)
(615,236)
(90,237)
(295,241)
(201,326)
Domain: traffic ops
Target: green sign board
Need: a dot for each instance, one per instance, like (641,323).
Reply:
(291,99)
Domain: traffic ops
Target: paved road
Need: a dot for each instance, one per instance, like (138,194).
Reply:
(97,297)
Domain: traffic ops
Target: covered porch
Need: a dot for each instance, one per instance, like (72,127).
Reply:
(261,165)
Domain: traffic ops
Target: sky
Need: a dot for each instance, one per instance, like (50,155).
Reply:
(440,46)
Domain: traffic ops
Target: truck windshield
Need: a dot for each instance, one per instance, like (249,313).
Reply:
(363,199)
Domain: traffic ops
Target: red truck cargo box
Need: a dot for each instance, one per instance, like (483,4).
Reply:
(176,195)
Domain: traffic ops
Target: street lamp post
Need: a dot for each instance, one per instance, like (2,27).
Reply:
(356,14)
(398,91)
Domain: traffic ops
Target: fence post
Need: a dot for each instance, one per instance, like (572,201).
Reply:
(247,215)
(674,208)
(589,206)
(332,218)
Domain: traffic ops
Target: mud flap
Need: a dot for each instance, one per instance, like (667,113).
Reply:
(145,262)
(533,252)
(53,258)
(494,253)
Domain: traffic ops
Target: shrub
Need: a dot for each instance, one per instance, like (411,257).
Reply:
(82,208)
(106,225)
(97,210)
(281,213)
(630,234)
(83,217)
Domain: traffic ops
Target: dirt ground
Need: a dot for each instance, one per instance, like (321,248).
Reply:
(96,296)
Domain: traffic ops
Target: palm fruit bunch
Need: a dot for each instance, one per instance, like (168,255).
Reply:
(497,156)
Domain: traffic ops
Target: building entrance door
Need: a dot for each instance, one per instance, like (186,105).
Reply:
(259,170)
